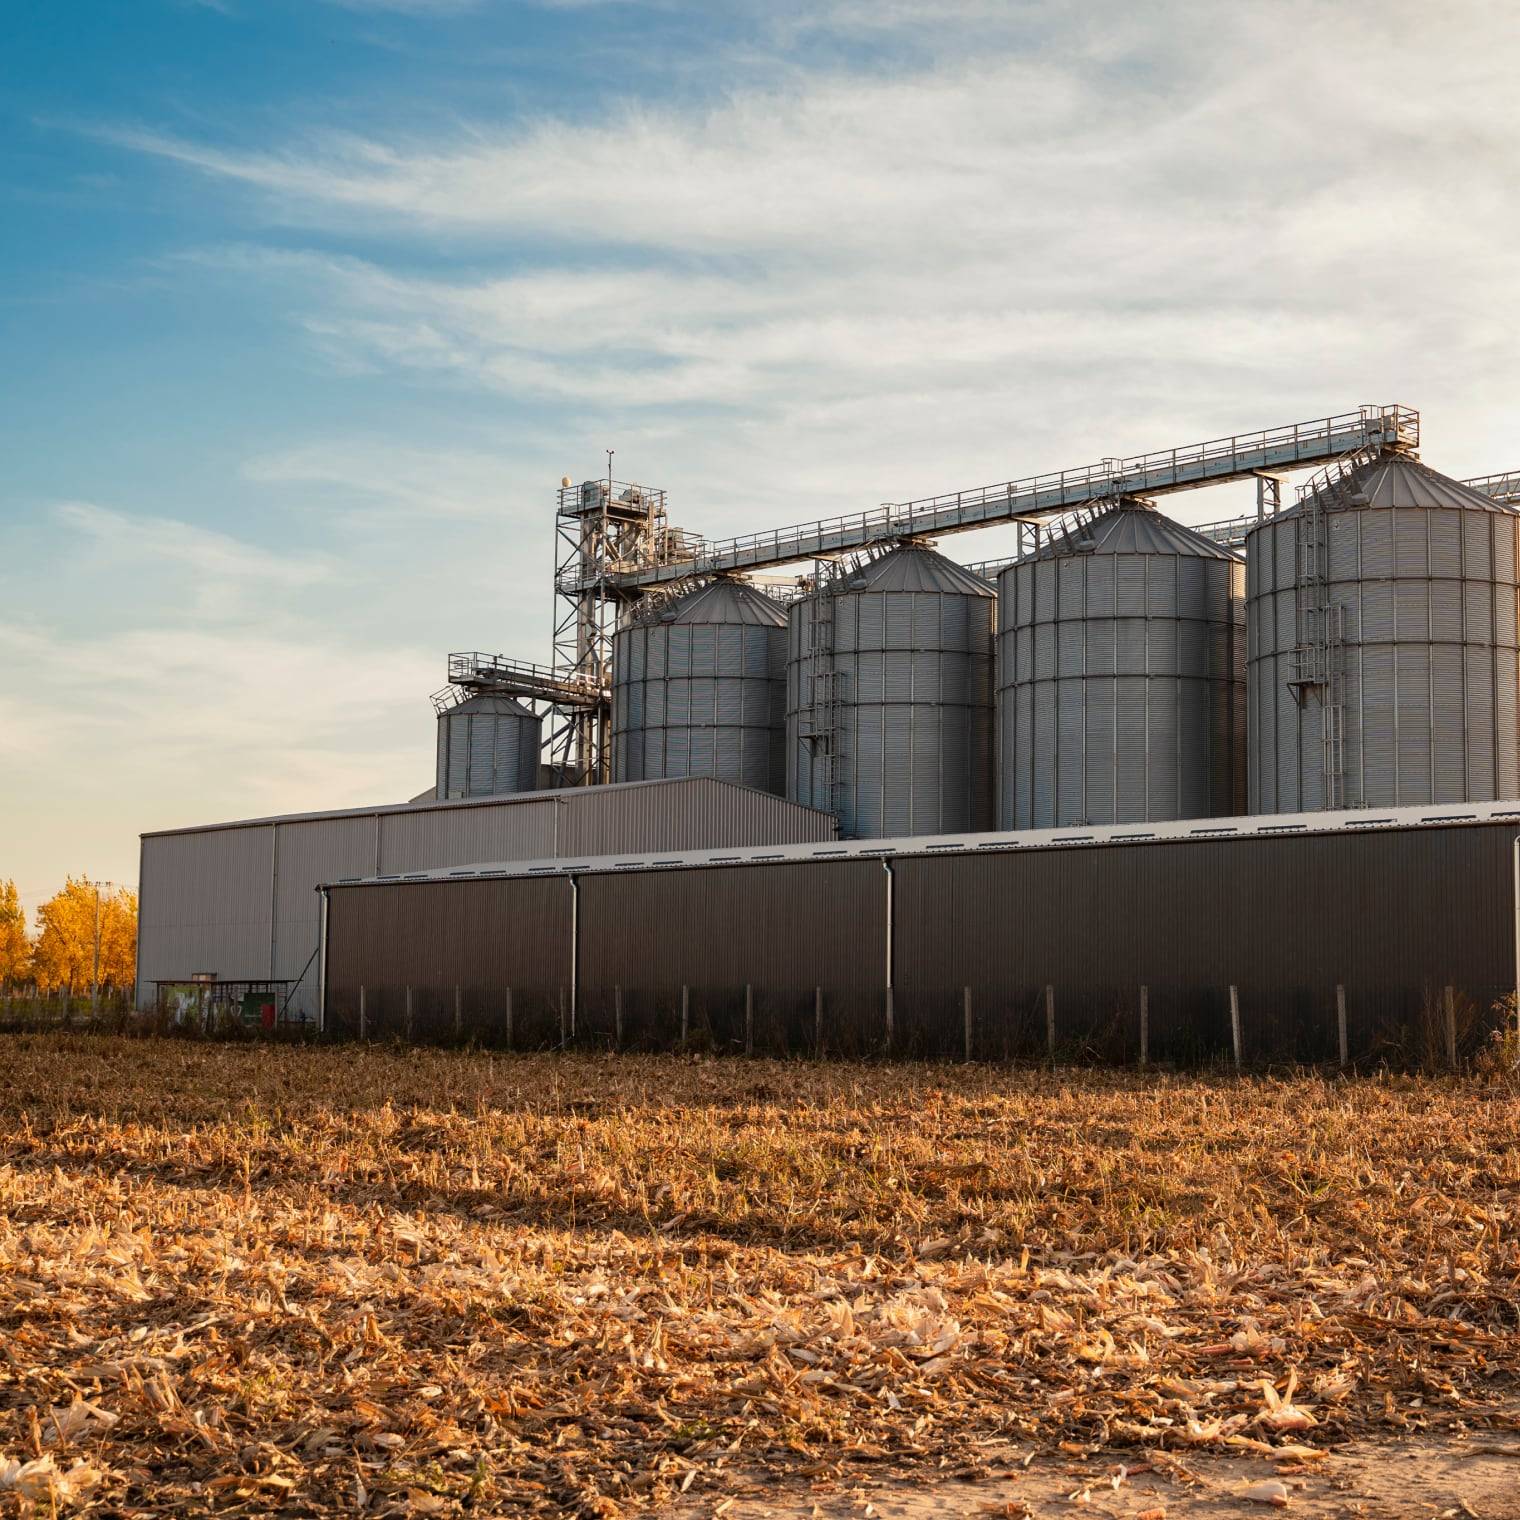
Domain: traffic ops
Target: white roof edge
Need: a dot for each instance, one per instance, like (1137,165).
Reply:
(506,799)
(1262,825)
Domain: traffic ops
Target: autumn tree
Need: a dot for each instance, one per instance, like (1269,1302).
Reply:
(64,953)
(15,946)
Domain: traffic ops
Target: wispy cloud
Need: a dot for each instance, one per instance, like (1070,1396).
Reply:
(977,240)
(371,478)
(218,574)
(184,721)
(1123,226)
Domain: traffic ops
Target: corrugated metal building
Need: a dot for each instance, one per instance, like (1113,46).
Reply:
(239,900)
(864,945)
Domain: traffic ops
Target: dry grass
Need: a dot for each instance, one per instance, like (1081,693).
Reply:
(306,1281)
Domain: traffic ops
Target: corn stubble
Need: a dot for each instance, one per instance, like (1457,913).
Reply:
(309,1281)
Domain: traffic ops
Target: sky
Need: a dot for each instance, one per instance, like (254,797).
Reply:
(307,305)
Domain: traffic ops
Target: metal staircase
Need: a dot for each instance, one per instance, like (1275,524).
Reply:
(819,727)
(1319,650)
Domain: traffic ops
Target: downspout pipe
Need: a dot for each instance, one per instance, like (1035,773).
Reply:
(1515,1033)
(137,976)
(575,947)
(322,967)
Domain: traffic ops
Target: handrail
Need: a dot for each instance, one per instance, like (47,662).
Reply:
(1504,487)
(501,673)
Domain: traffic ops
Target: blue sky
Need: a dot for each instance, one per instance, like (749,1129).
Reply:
(306,307)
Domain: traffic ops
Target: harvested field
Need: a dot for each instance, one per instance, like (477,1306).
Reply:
(274,1280)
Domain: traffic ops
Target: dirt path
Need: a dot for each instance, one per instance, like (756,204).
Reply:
(1442,1479)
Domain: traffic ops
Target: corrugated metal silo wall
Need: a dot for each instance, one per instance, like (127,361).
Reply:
(1432,667)
(784,929)
(458,947)
(1121,690)
(1390,915)
(700,699)
(696,814)
(487,754)
(912,671)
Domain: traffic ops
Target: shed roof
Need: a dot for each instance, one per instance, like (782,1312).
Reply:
(570,796)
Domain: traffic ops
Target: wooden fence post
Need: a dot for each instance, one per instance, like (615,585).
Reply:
(408,1015)
(617,1015)
(1340,1025)
(966,1019)
(685,1015)
(1451,1027)
(1145,1026)
(1050,1023)
(458,1013)
(508,1011)
(363,1021)
(817,1021)
(1235,1023)
(749,1019)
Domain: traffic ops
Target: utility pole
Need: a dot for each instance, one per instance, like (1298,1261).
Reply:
(95,970)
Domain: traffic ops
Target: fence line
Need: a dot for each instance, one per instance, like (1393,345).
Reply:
(1148,1025)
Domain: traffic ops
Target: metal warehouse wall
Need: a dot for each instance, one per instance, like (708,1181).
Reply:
(1389,915)
(784,925)
(239,900)
(1393,916)
(458,951)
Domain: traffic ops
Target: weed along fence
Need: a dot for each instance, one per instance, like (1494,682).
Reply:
(1326,938)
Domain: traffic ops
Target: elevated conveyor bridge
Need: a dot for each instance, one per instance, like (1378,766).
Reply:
(1269,452)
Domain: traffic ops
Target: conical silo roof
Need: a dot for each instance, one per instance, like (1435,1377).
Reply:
(724,601)
(911,567)
(1136,527)
(1397,480)
(492,704)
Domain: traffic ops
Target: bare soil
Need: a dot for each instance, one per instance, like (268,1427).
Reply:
(1445,1478)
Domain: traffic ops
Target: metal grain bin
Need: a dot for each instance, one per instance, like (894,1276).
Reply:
(699,689)
(889,697)
(487,746)
(1382,661)
(1121,676)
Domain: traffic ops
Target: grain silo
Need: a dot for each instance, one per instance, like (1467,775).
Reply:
(1382,659)
(889,697)
(699,689)
(487,746)
(1121,676)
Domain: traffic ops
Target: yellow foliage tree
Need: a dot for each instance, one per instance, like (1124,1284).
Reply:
(64,953)
(15,947)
